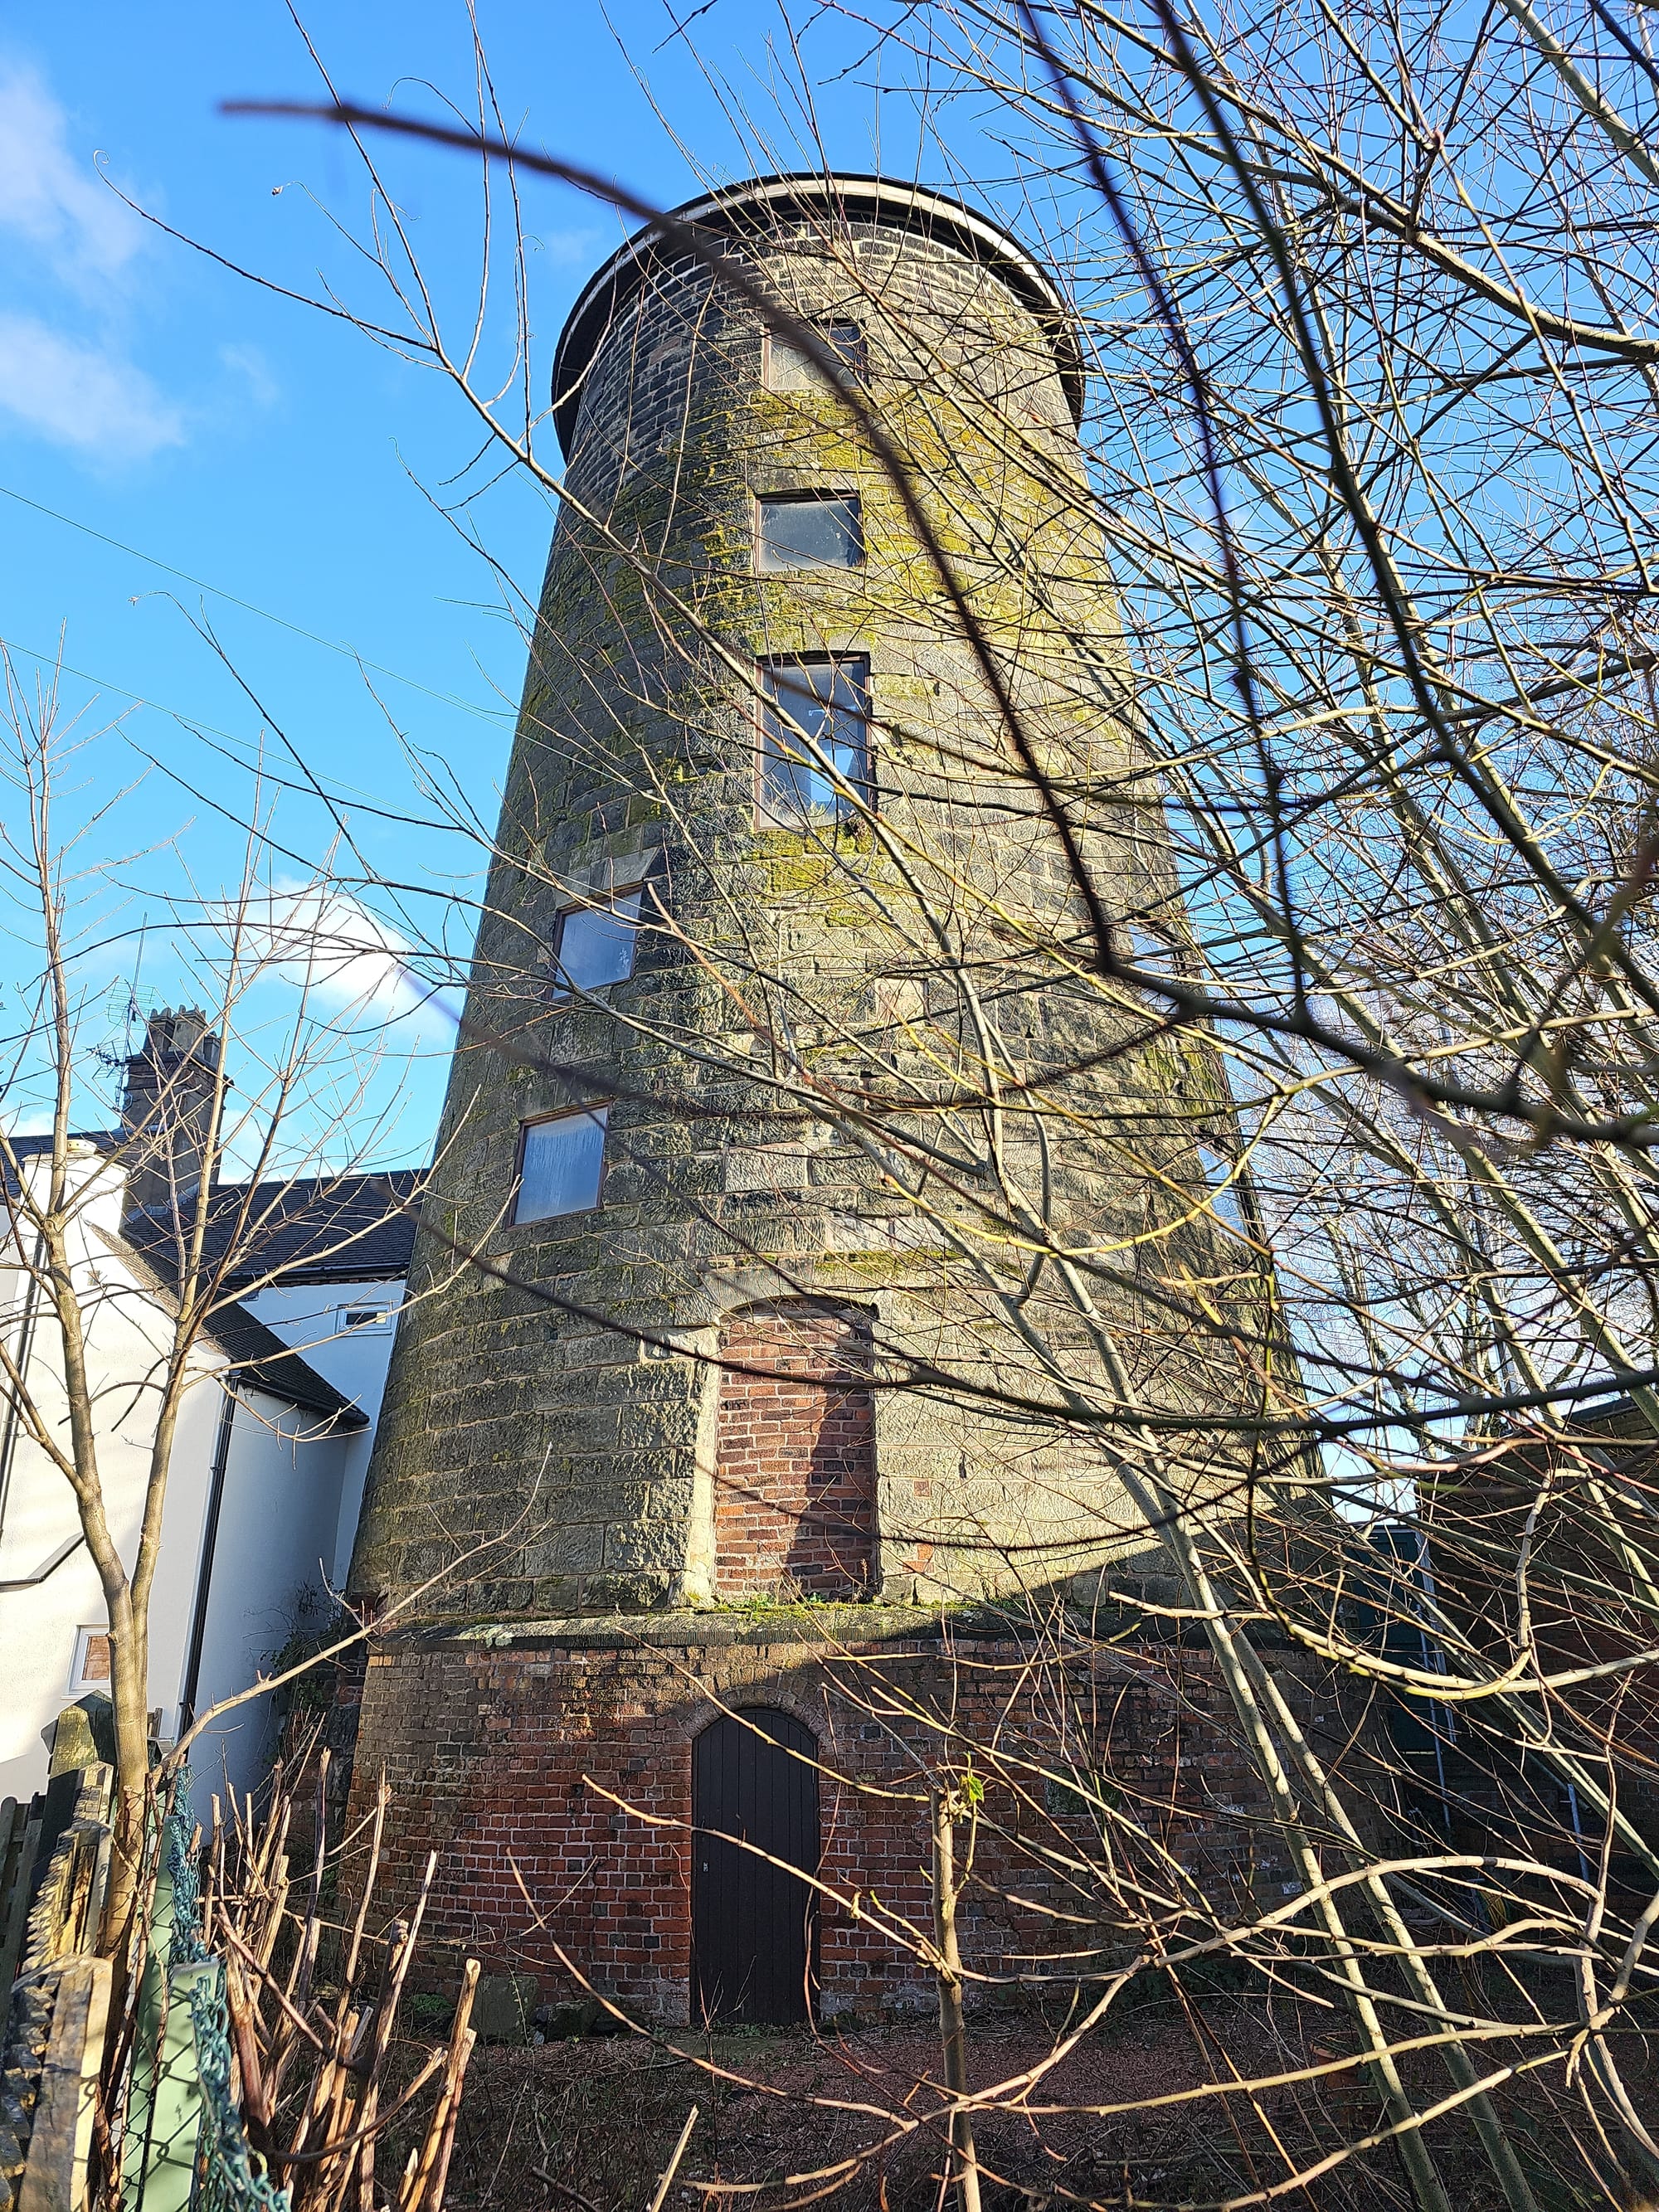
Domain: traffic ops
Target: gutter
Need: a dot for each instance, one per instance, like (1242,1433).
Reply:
(65,1550)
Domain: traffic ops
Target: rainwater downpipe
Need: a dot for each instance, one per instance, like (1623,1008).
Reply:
(210,1541)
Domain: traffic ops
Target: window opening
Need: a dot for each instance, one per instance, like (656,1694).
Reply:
(809,530)
(1222,1175)
(355,1321)
(595,945)
(789,367)
(827,702)
(1150,947)
(91,1668)
(560,1164)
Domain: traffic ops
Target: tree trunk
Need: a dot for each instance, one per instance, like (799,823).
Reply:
(964,2165)
(128,1682)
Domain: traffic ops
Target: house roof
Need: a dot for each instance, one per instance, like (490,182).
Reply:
(311,1229)
(306,1229)
(261,1360)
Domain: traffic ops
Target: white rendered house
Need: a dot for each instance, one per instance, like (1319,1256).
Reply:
(267,1470)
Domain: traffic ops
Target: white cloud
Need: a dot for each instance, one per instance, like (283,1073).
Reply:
(251,365)
(30,1122)
(47,197)
(79,395)
(69,240)
(568,249)
(323,941)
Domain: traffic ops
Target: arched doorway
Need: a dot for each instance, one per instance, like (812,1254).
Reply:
(754,1781)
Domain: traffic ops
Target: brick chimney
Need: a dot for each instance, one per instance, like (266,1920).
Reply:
(166,1106)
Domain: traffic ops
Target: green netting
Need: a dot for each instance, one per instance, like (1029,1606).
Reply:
(225,2180)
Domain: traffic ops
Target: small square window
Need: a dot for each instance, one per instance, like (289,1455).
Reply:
(90,1670)
(815,718)
(560,1164)
(355,1321)
(809,530)
(789,367)
(595,945)
(1227,1199)
(1150,947)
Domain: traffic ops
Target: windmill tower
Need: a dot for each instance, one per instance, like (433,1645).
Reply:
(781,1015)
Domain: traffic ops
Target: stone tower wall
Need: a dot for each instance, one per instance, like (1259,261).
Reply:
(560,1429)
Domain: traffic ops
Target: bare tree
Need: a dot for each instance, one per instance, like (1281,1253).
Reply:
(1371,301)
(122,1309)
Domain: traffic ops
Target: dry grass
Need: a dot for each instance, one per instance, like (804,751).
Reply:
(587,2126)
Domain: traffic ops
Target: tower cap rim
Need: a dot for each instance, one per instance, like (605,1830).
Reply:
(900,206)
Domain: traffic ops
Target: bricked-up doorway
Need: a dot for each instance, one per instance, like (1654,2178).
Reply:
(754,1924)
(795,1492)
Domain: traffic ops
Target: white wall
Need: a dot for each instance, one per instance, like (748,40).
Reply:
(308,1318)
(279,1515)
(280,1521)
(127,1339)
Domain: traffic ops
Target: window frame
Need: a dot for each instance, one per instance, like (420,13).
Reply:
(593,1109)
(855,358)
(767,817)
(79,1680)
(821,495)
(377,1322)
(564,993)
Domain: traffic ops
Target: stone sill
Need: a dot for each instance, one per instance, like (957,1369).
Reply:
(696,1626)
(836,1626)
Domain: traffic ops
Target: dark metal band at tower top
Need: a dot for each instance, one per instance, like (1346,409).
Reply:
(750,208)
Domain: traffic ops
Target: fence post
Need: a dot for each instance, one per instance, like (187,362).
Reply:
(60,2142)
(20,1838)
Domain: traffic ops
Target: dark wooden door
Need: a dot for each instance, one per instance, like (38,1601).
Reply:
(753,1924)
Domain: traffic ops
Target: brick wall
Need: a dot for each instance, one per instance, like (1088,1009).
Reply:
(794,1499)
(554,1779)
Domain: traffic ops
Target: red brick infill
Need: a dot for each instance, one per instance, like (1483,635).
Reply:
(795,1496)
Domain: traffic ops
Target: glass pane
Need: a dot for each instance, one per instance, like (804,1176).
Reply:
(1223,1189)
(562,1163)
(819,532)
(596,944)
(788,368)
(827,703)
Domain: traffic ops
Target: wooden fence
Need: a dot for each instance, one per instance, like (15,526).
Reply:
(58,2000)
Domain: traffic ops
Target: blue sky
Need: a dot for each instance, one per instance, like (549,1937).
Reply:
(149,395)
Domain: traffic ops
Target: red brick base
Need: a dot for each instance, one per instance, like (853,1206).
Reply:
(553,1778)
